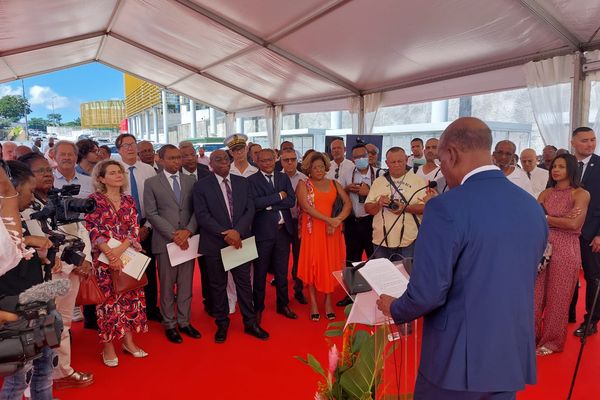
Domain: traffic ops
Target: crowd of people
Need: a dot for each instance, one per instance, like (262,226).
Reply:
(313,211)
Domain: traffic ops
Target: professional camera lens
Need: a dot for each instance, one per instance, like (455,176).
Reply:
(84,206)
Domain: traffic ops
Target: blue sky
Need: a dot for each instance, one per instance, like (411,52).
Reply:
(68,88)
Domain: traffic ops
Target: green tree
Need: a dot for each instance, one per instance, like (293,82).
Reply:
(38,123)
(75,122)
(54,119)
(14,107)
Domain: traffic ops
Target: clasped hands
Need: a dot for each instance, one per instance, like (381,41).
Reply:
(180,238)
(232,238)
(333,224)
(362,189)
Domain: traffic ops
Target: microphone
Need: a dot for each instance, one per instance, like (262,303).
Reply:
(44,292)
(430,185)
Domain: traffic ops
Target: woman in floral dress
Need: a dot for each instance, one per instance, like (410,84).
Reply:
(115,216)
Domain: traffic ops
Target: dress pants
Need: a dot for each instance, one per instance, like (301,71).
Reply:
(358,234)
(298,284)
(591,273)
(151,289)
(64,306)
(180,276)
(425,390)
(204,281)
(218,285)
(272,255)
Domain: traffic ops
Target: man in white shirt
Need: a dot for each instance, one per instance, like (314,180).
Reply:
(430,171)
(65,173)
(202,158)
(537,175)
(340,165)
(504,156)
(138,172)
(417,158)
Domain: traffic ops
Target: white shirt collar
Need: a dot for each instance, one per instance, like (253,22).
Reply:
(168,174)
(221,179)
(478,170)
(586,160)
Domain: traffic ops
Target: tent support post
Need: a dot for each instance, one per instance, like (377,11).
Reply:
(577,92)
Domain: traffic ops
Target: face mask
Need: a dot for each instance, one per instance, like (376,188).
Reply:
(361,163)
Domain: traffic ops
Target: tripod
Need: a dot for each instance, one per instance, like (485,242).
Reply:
(584,338)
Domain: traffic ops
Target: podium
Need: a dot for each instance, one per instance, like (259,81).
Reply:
(396,348)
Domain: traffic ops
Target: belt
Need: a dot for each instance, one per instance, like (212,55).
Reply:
(358,219)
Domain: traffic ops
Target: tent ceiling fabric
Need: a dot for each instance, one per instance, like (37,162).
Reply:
(238,55)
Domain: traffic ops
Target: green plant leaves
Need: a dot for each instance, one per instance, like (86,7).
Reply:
(312,362)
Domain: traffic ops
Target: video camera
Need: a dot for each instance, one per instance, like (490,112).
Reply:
(62,208)
(39,325)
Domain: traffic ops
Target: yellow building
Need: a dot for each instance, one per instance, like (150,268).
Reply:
(102,114)
(139,95)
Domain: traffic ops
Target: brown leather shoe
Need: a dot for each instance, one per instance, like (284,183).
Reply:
(76,380)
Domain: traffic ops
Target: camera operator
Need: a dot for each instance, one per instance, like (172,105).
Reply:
(11,234)
(25,275)
(387,200)
(64,375)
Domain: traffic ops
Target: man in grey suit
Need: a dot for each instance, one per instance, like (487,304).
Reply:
(169,208)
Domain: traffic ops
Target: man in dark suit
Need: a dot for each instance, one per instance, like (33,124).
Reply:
(583,141)
(473,276)
(273,228)
(169,208)
(224,209)
(190,167)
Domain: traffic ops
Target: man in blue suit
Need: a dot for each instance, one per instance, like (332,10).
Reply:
(224,209)
(473,276)
(273,228)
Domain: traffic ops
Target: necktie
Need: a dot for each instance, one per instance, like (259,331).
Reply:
(529,175)
(270,178)
(229,197)
(176,188)
(579,174)
(134,192)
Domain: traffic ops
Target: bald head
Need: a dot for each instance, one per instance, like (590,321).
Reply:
(464,145)
(528,160)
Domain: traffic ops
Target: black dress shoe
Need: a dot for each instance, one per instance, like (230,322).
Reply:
(256,331)
(344,302)
(286,312)
(299,296)
(221,334)
(593,329)
(173,336)
(190,331)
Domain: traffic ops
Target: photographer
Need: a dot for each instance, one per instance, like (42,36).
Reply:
(387,200)
(25,275)
(10,230)
(64,375)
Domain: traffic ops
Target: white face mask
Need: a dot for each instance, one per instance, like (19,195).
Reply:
(362,163)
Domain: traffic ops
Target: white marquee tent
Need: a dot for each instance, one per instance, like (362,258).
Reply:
(242,56)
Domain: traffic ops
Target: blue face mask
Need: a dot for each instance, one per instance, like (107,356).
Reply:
(361,163)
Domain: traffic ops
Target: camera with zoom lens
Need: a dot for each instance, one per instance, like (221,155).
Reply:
(39,325)
(72,252)
(62,208)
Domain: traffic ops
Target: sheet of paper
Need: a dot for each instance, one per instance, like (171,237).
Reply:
(384,277)
(178,256)
(233,257)
(365,311)
(134,262)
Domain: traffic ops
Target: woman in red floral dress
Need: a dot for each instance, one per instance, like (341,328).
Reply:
(115,216)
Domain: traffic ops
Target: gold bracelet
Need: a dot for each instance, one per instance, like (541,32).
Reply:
(9,197)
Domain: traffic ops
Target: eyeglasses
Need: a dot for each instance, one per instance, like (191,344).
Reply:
(318,167)
(128,145)
(220,159)
(372,152)
(42,171)
(337,173)
(289,159)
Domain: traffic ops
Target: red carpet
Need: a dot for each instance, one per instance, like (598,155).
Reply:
(246,368)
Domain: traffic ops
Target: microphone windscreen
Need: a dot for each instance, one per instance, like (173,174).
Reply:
(45,291)
(432,185)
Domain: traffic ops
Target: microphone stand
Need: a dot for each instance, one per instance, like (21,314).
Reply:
(584,338)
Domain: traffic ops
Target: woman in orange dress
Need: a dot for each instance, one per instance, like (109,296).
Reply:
(322,248)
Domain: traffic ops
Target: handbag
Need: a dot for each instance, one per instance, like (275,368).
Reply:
(338,204)
(89,292)
(122,282)
(545,258)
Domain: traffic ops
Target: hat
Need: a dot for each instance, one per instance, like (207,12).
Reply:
(235,139)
